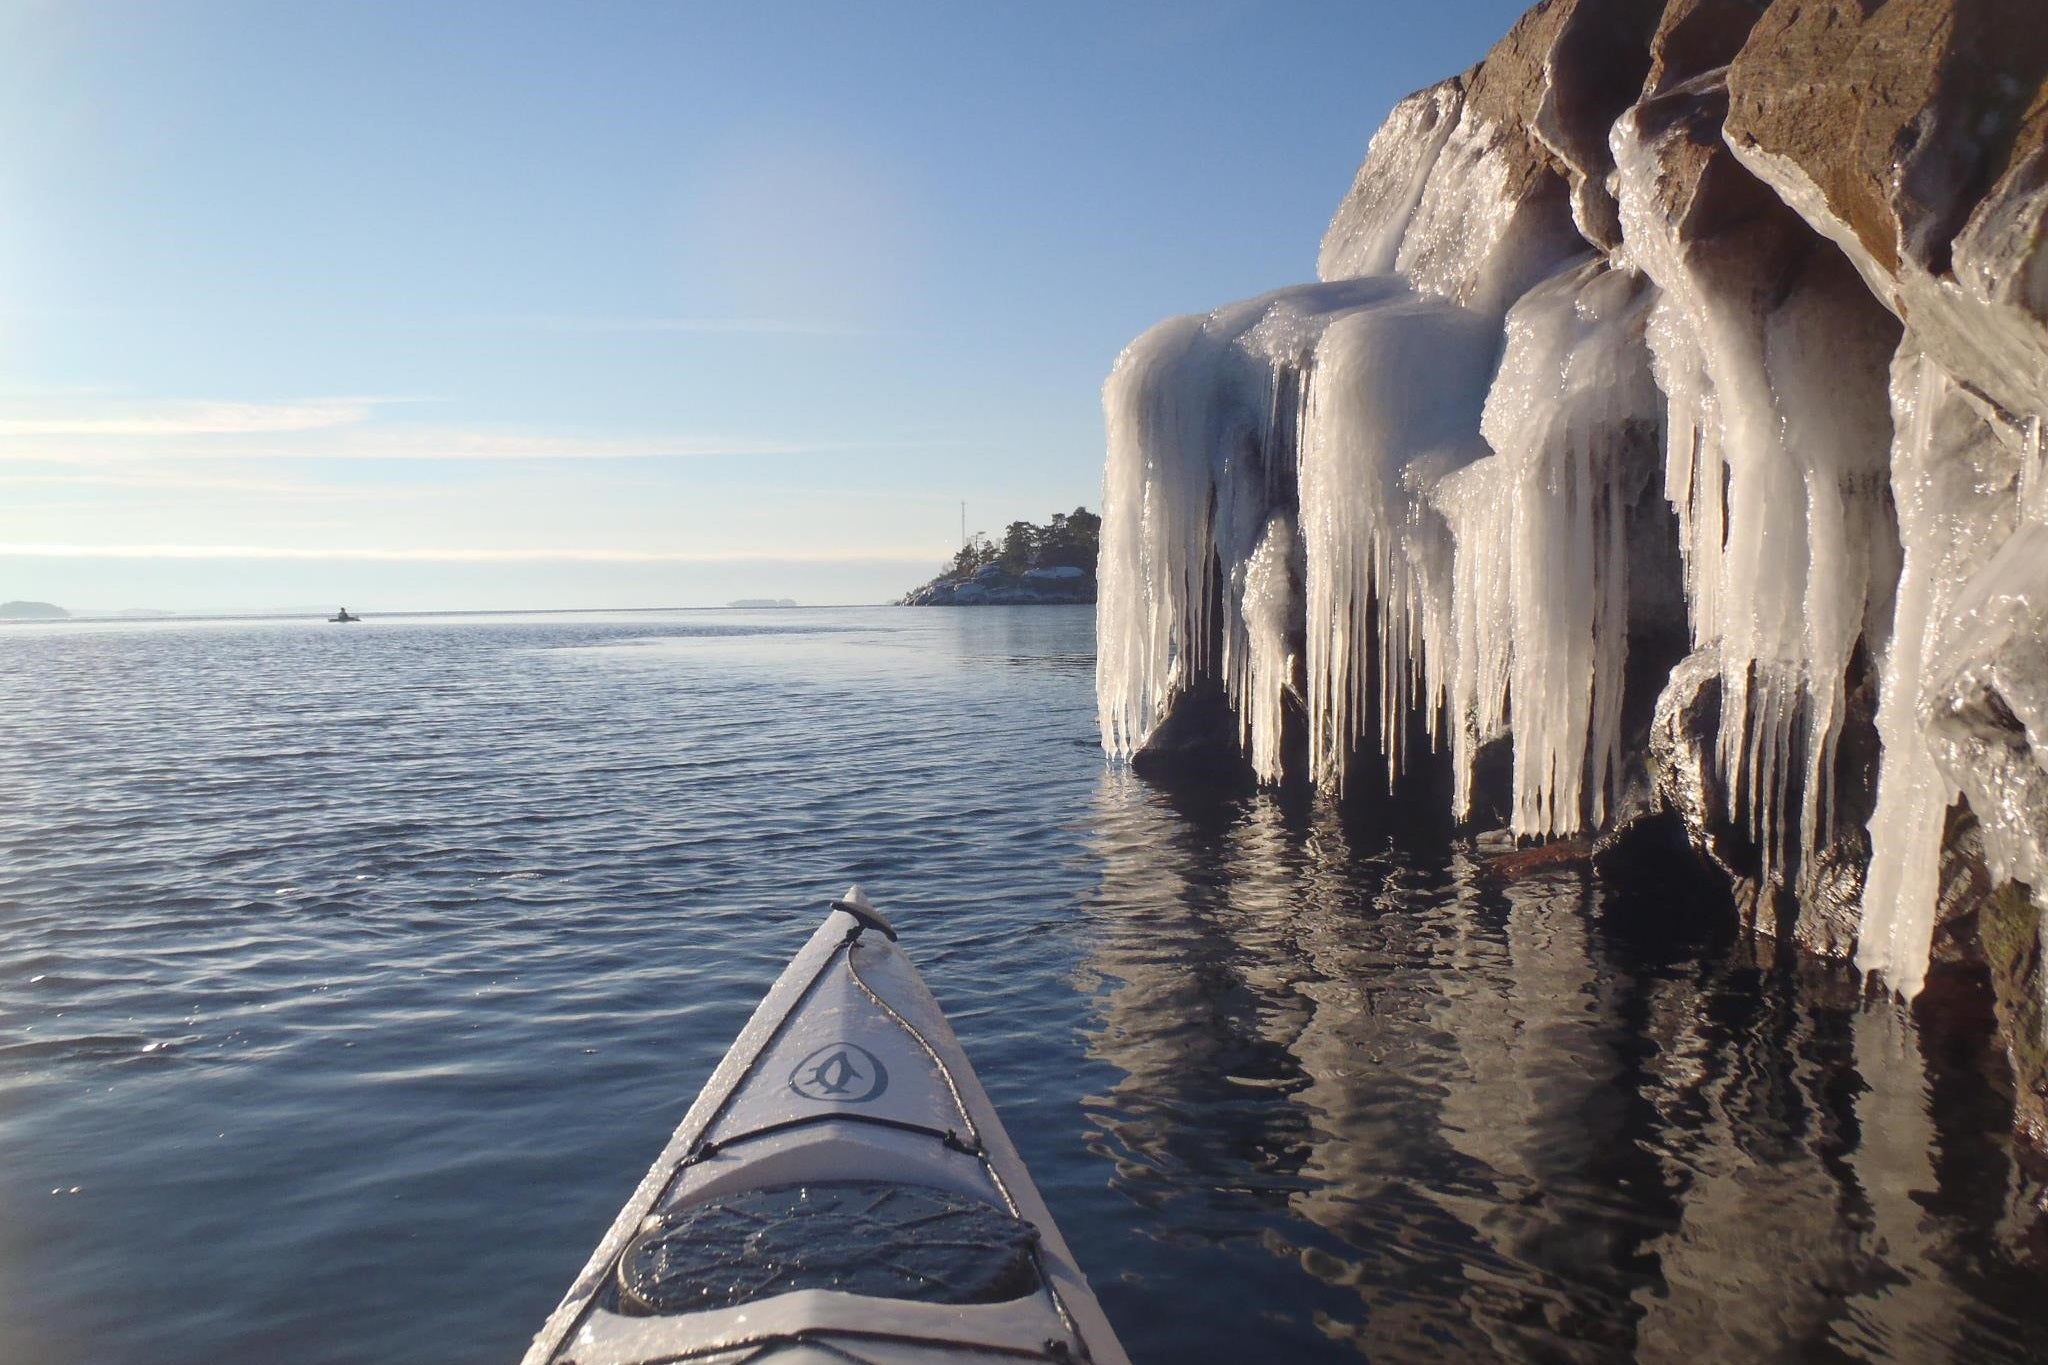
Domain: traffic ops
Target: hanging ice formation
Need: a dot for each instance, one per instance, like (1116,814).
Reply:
(1541,587)
(1773,371)
(1612,270)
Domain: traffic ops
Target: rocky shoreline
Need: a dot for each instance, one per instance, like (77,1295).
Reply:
(993,587)
(1655,470)
(1033,565)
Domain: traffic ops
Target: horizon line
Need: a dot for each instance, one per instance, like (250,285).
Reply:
(377,554)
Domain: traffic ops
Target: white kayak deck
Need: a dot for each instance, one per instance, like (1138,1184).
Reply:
(848,1071)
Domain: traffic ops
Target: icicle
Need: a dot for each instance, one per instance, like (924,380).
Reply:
(1199,430)
(2033,474)
(1775,467)
(1394,406)
(1542,575)
(1260,666)
(1971,589)
(1902,887)
(1480,507)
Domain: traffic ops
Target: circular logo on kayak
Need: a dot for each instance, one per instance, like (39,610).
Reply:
(843,1073)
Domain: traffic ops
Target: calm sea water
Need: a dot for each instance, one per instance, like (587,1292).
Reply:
(350,977)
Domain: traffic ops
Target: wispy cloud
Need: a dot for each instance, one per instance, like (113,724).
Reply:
(797,327)
(474,443)
(114,441)
(543,555)
(194,418)
(14,387)
(180,482)
(128,431)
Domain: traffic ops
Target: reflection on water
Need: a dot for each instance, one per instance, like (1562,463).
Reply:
(1476,1121)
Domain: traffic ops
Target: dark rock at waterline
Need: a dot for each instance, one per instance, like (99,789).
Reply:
(1991,930)
(1518,863)
(1196,744)
(994,587)
(2008,928)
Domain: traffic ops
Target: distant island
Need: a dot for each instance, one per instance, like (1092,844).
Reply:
(32,611)
(757,603)
(1035,565)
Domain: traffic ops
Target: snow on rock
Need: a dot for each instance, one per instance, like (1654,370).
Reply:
(1756,288)
(1477,237)
(1365,235)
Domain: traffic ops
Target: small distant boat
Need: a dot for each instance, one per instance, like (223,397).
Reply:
(343,618)
(841,1191)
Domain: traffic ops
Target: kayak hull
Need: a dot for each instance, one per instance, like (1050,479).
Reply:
(847,1072)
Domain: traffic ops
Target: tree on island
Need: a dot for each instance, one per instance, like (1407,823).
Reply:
(978,550)
(1071,539)
(1068,540)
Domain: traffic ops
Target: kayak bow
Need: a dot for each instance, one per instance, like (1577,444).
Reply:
(841,1191)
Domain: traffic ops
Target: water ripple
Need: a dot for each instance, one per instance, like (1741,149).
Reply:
(365,969)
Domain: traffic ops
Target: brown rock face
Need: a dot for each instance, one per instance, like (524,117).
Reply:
(1541,102)
(1904,114)
(1556,84)
(1698,36)
(1719,214)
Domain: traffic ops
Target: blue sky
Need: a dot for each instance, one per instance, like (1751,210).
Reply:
(502,305)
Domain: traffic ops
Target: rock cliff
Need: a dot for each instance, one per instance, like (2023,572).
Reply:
(1660,441)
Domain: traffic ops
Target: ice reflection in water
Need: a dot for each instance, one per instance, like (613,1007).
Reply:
(1486,1122)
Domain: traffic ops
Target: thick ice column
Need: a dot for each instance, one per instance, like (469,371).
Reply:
(1541,584)
(1156,533)
(1393,405)
(1956,467)
(1201,452)
(1773,359)
(1259,666)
